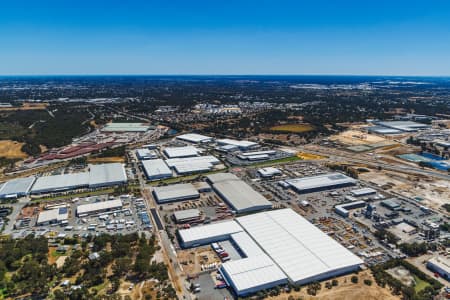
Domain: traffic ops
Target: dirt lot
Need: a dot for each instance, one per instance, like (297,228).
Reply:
(434,193)
(11,149)
(346,290)
(306,156)
(192,259)
(355,137)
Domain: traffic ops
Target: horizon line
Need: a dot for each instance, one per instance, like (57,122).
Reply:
(219,75)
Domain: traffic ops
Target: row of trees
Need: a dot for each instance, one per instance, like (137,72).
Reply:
(398,288)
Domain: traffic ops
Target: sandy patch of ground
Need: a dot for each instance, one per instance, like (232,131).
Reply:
(192,259)
(11,149)
(60,261)
(306,156)
(355,137)
(346,290)
(402,274)
(434,193)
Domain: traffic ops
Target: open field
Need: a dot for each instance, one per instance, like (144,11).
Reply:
(11,149)
(346,290)
(292,128)
(355,137)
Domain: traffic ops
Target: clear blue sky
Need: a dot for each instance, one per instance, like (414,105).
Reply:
(393,37)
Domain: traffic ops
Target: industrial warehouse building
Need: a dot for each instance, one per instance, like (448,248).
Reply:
(156,169)
(242,145)
(106,175)
(125,127)
(202,235)
(59,183)
(146,153)
(276,246)
(191,165)
(321,182)
(101,175)
(16,188)
(440,265)
(397,127)
(269,172)
(98,207)
(195,138)
(363,192)
(52,216)
(175,152)
(187,215)
(343,209)
(175,192)
(256,155)
(238,194)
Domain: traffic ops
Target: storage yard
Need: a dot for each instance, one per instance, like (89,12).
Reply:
(84,216)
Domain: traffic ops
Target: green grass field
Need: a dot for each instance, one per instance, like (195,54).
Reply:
(276,161)
(420,284)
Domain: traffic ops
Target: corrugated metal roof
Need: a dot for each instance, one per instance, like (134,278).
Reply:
(198,233)
(192,164)
(241,144)
(363,191)
(98,206)
(186,214)
(240,195)
(98,175)
(173,152)
(246,244)
(52,215)
(320,181)
(105,174)
(136,127)
(61,182)
(299,248)
(156,168)
(219,177)
(194,137)
(175,192)
(253,272)
(17,186)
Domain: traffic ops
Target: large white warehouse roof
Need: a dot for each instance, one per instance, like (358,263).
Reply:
(187,151)
(192,164)
(16,187)
(62,182)
(240,144)
(175,192)
(200,234)
(156,168)
(98,176)
(330,180)
(194,138)
(240,195)
(251,274)
(300,249)
(106,174)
